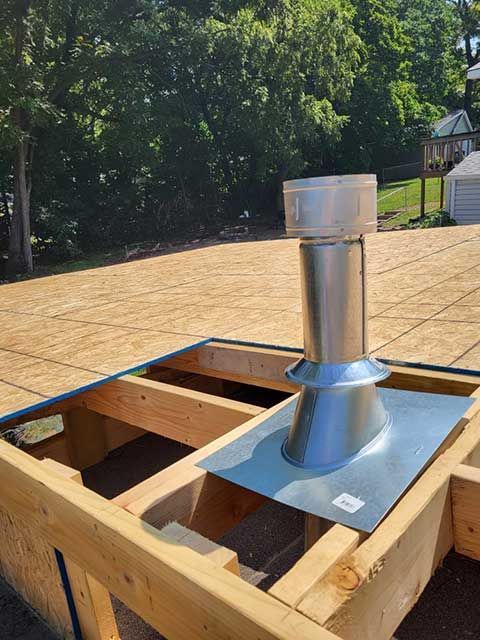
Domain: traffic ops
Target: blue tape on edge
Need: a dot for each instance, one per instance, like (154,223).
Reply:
(400,363)
(77,632)
(201,343)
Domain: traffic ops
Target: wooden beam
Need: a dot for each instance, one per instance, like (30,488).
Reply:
(429,381)
(64,470)
(220,556)
(189,495)
(315,528)
(55,447)
(177,591)
(314,565)
(196,499)
(188,380)
(85,437)
(92,603)
(188,416)
(465,489)
(266,368)
(28,564)
(369,593)
(92,600)
(248,365)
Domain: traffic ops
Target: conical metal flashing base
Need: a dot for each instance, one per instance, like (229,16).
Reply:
(339,415)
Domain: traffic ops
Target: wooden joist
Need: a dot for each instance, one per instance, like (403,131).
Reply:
(114,435)
(431,381)
(220,556)
(266,368)
(85,437)
(249,365)
(193,497)
(185,415)
(177,591)
(54,447)
(313,566)
(465,487)
(182,583)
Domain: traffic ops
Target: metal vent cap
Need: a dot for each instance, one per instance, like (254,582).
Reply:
(331,206)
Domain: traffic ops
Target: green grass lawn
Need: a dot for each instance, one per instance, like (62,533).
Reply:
(404,196)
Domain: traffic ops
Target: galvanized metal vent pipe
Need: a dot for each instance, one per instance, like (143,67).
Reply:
(339,414)
(344,450)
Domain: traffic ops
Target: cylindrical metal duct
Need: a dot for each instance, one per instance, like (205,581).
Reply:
(339,413)
(333,288)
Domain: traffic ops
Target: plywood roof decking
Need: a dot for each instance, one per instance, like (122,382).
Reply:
(62,333)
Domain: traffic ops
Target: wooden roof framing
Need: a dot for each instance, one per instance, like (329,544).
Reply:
(346,586)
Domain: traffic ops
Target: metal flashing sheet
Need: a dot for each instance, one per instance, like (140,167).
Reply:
(361,493)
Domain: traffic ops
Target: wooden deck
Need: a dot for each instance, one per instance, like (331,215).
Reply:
(441,155)
(65,333)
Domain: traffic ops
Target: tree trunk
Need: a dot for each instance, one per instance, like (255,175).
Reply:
(471,60)
(468,98)
(20,247)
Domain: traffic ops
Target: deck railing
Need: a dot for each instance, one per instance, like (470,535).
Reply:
(441,155)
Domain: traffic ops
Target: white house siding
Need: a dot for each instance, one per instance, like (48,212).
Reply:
(467,201)
(463,191)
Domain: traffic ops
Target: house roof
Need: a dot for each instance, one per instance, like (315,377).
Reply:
(69,332)
(449,124)
(467,169)
(474,72)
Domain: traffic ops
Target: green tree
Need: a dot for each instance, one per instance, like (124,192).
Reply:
(386,113)
(250,89)
(436,68)
(137,119)
(468,13)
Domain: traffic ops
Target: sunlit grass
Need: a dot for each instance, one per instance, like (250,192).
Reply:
(404,196)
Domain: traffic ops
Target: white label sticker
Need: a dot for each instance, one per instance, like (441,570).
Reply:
(348,503)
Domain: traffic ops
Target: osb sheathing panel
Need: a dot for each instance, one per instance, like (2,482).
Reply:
(66,332)
(29,566)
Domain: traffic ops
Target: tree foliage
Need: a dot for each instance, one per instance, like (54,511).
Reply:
(141,119)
